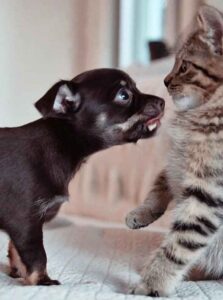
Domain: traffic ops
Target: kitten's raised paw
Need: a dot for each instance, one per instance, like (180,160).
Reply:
(139,217)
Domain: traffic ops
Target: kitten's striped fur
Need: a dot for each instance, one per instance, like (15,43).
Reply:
(194,174)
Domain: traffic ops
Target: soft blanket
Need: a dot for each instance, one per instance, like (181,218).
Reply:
(95,261)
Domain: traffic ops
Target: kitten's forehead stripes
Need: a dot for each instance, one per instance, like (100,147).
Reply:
(206,72)
(198,84)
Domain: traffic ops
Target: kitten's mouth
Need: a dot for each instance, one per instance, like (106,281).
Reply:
(185,102)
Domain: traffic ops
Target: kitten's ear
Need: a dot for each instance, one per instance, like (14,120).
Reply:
(210,21)
(62,98)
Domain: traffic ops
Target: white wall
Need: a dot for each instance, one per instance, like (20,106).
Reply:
(44,41)
(216,3)
(140,21)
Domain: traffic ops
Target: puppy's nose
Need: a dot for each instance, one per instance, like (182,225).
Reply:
(160,104)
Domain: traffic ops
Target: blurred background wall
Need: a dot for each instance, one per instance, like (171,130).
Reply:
(44,41)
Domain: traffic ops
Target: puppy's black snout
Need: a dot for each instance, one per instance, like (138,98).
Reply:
(154,106)
(160,104)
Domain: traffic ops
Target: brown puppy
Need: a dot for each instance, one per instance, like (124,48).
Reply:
(96,110)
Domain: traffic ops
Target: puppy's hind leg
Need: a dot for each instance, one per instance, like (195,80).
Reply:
(154,205)
(28,254)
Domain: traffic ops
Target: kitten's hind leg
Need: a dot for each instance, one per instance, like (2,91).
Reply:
(154,205)
(211,262)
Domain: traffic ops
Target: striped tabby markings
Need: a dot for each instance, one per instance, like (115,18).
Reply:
(206,128)
(207,223)
(206,171)
(215,113)
(219,215)
(183,227)
(190,245)
(206,72)
(202,196)
(171,257)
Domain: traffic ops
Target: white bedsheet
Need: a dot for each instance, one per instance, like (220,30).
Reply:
(95,261)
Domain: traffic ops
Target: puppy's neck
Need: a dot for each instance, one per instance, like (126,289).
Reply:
(62,147)
(77,141)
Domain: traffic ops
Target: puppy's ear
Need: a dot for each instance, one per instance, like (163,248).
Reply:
(62,98)
(210,21)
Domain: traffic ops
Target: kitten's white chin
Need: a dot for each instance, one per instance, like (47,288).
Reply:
(185,102)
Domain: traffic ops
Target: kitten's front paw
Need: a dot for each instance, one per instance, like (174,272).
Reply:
(143,289)
(151,286)
(140,217)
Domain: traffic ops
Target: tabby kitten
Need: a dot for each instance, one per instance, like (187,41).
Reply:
(194,173)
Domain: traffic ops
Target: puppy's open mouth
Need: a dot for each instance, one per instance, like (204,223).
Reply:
(138,126)
(154,123)
(145,128)
(151,125)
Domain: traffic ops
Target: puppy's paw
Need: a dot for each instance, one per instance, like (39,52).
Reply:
(14,273)
(144,290)
(47,281)
(140,217)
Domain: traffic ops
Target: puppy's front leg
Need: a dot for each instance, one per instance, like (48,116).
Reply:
(154,205)
(16,266)
(193,230)
(27,255)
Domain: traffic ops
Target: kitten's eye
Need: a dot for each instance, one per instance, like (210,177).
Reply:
(184,67)
(123,96)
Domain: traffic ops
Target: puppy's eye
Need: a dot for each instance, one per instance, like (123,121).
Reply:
(184,67)
(123,96)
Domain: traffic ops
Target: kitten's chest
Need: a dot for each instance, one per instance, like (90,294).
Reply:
(176,158)
(193,152)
